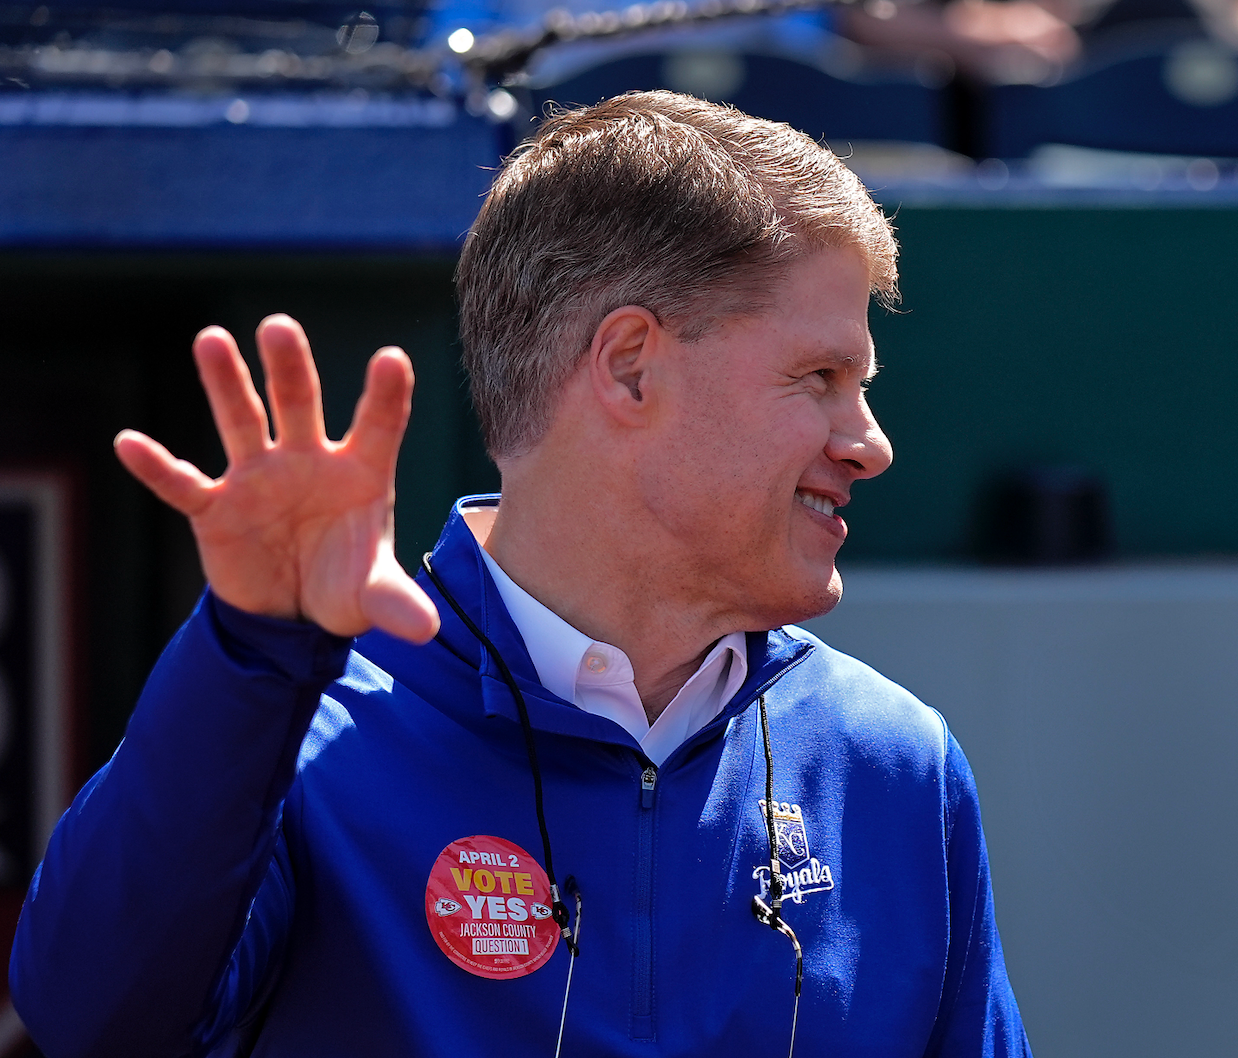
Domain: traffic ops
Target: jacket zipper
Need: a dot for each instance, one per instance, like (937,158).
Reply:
(642,970)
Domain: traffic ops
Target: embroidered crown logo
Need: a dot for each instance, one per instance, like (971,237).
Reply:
(802,873)
(791,835)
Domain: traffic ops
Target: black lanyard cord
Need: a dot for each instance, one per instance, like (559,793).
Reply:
(771,914)
(558,908)
(775,867)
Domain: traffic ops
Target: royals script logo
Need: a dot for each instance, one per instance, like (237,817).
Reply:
(802,873)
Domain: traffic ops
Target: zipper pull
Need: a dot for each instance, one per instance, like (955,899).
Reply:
(648,779)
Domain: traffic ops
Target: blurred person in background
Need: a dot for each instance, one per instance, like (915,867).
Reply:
(1019,41)
(986,40)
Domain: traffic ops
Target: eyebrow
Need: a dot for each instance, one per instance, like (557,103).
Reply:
(826,358)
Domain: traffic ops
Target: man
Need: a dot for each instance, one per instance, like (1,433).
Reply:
(602,748)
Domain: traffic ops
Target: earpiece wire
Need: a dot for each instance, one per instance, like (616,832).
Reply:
(571,965)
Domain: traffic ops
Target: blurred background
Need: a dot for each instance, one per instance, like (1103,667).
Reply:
(1052,562)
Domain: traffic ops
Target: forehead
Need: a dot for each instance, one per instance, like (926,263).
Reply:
(819,311)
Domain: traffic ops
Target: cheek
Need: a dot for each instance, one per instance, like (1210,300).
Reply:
(736,461)
(719,486)
(788,443)
(763,459)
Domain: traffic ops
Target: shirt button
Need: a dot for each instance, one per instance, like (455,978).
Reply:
(595,663)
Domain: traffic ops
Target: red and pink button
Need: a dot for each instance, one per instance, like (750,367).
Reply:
(488,908)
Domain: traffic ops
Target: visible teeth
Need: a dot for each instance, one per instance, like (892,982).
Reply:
(817,503)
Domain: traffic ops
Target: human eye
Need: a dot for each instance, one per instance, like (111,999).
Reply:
(821,382)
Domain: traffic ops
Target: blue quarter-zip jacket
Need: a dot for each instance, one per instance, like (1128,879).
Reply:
(249,870)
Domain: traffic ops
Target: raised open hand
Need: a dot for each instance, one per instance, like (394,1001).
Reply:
(300,526)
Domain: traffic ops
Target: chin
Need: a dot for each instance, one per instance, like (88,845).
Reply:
(813,597)
(827,599)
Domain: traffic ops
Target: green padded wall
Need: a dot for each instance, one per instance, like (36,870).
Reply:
(1097,337)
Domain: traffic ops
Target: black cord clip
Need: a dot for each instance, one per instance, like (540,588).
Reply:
(562,919)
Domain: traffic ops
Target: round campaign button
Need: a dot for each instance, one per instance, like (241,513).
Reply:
(488,906)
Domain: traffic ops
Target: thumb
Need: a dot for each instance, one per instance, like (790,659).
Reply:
(392,601)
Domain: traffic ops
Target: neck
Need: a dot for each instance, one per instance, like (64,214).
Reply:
(597,571)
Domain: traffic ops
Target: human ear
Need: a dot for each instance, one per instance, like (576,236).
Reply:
(620,362)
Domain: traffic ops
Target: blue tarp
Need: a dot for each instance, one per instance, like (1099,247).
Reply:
(291,172)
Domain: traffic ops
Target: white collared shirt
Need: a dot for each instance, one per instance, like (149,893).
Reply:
(598,678)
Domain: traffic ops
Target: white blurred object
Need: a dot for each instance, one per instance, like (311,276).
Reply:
(1061,165)
(711,75)
(460,41)
(501,105)
(358,33)
(237,112)
(1202,73)
(885,161)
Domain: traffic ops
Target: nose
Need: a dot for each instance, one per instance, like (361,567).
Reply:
(857,442)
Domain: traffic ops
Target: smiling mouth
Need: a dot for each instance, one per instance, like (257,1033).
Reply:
(817,503)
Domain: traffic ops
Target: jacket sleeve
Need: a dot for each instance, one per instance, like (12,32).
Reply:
(129,942)
(978,1016)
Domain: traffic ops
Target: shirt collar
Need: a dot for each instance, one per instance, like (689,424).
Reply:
(558,650)
(554,645)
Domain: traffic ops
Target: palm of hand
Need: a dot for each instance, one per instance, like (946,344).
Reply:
(299,527)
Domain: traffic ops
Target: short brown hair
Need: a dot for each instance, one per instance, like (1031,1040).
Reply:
(683,207)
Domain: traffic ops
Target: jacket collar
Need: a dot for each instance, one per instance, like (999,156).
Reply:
(457,561)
